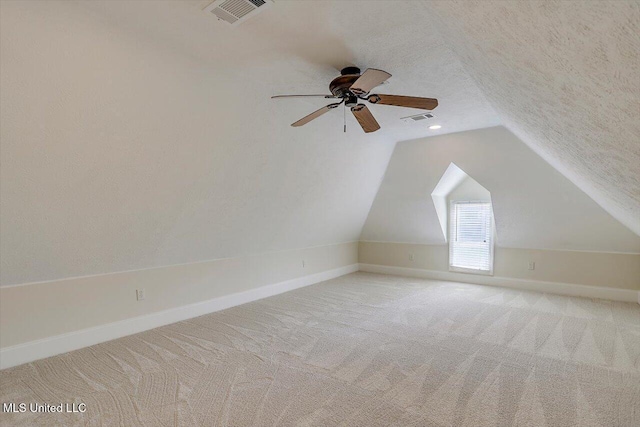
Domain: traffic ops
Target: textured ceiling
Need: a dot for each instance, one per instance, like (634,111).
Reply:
(140,134)
(565,77)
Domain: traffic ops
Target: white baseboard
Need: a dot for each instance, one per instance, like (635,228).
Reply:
(51,346)
(530,285)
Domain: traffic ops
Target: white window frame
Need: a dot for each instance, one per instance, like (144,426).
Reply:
(452,217)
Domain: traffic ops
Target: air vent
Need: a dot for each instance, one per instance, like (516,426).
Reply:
(235,12)
(419,117)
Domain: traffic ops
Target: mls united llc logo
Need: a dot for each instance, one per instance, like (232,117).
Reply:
(44,407)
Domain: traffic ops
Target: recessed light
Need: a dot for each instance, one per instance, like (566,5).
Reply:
(434,127)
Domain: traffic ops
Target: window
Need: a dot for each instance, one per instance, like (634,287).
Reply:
(471,237)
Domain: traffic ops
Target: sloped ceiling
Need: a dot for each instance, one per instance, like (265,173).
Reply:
(534,205)
(140,134)
(564,76)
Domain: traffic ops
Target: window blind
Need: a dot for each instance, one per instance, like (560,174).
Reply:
(471,236)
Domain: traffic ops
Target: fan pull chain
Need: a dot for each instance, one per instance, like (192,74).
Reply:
(344,116)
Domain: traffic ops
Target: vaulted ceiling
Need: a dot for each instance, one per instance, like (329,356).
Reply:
(564,76)
(139,134)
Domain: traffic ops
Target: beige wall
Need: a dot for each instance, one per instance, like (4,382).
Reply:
(534,206)
(35,311)
(613,270)
(40,310)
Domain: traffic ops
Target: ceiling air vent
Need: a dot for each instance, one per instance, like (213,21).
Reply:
(419,117)
(236,11)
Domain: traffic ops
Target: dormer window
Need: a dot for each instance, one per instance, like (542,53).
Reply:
(471,237)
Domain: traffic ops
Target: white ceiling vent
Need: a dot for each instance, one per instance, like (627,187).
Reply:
(417,118)
(236,11)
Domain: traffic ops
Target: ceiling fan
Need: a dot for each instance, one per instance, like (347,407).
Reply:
(351,87)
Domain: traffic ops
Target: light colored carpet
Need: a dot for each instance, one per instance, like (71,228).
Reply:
(360,350)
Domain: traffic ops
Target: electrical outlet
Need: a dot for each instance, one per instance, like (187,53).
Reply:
(532,265)
(141,294)
(411,257)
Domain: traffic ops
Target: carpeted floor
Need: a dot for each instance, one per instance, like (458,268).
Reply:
(360,350)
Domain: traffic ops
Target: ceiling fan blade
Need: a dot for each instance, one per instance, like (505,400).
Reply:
(404,101)
(365,118)
(303,96)
(315,114)
(368,80)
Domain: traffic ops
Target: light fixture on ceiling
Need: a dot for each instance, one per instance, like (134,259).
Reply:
(434,127)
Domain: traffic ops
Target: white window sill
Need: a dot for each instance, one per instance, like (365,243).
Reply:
(470,271)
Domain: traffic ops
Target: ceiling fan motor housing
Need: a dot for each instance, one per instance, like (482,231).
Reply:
(340,85)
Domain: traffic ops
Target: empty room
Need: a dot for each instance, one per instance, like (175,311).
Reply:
(320,213)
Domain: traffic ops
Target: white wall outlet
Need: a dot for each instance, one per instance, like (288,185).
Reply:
(411,257)
(141,294)
(532,265)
